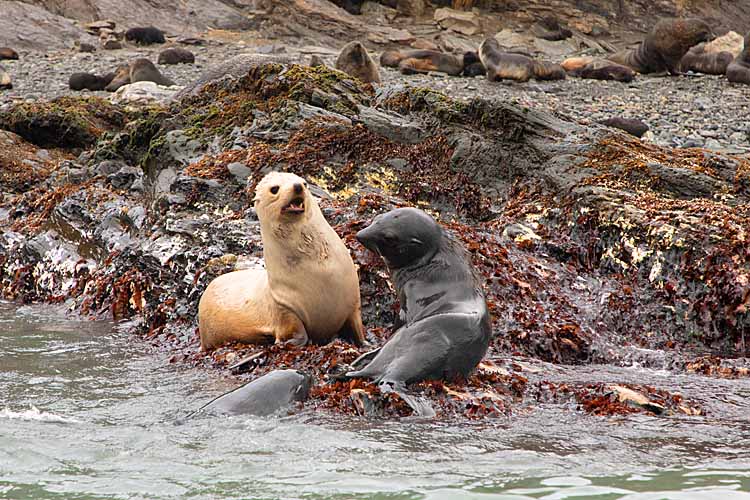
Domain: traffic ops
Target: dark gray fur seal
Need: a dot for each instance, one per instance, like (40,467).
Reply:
(89,81)
(176,55)
(145,36)
(444,323)
(630,125)
(263,396)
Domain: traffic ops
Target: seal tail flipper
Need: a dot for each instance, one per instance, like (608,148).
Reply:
(420,405)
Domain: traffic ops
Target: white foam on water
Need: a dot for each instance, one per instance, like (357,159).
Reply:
(34,413)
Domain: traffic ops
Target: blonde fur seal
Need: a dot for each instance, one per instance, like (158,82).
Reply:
(309,290)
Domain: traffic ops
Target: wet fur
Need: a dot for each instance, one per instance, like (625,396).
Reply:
(444,323)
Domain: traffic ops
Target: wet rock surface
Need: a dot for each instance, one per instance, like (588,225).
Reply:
(594,247)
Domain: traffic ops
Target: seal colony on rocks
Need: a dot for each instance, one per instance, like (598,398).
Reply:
(309,290)
(355,61)
(140,70)
(502,65)
(665,46)
(444,323)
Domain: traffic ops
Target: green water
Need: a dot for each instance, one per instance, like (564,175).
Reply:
(87,413)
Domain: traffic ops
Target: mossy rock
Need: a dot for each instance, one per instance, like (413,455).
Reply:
(222,105)
(65,122)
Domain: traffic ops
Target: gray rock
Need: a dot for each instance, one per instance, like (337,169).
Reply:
(240,171)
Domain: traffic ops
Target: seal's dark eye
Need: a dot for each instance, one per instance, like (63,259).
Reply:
(274,189)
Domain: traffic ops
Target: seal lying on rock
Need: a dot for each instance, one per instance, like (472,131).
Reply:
(140,70)
(665,46)
(89,81)
(738,70)
(145,36)
(446,323)
(421,61)
(502,65)
(630,125)
(176,55)
(309,289)
(263,396)
(597,69)
(699,60)
(355,61)
(8,53)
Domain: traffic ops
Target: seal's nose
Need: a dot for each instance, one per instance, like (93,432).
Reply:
(298,188)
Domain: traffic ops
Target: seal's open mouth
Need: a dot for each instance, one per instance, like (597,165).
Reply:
(295,206)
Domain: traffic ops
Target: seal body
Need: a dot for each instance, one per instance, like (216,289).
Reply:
(738,70)
(502,65)
(309,290)
(355,61)
(263,396)
(421,61)
(88,81)
(699,60)
(629,125)
(176,55)
(145,36)
(140,70)
(665,46)
(597,69)
(8,53)
(445,321)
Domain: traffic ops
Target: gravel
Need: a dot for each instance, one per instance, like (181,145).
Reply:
(683,111)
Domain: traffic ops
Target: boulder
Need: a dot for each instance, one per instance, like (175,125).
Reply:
(413,8)
(466,23)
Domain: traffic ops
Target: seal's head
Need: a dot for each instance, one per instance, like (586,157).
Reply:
(403,237)
(283,197)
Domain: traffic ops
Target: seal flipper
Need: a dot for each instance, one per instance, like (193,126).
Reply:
(420,405)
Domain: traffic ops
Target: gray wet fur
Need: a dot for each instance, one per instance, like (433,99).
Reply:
(263,396)
(444,323)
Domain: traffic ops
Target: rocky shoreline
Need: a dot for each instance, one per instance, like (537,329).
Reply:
(595,247)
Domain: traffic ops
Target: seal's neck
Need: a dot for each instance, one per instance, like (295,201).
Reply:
(291,241)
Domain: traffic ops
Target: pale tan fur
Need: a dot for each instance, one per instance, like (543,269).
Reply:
(309,290)
(575,63)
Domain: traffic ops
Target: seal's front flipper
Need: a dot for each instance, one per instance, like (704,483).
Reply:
(420,405)
(362,361)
